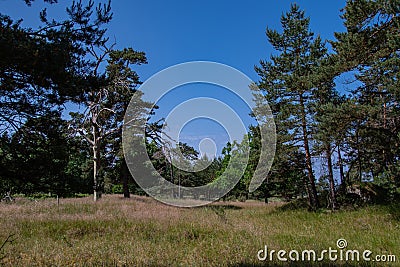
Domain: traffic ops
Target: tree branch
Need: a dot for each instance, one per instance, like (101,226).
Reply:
(82,133)
(115,130)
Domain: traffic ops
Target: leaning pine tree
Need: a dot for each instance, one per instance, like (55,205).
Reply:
(286,83)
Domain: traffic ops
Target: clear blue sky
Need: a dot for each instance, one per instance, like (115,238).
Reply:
(229,32)
(177,31)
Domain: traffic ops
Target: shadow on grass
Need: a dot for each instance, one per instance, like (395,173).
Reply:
(219,210)
(143,199)
(297,204)
(225,206)
(394,210)
(219,206)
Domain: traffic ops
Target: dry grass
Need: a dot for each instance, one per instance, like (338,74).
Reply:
(142,232)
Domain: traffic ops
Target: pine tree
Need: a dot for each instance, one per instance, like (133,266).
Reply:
(43,68)
(371,49)
(286,81)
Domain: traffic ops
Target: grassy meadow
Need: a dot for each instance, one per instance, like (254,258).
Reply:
(143,232)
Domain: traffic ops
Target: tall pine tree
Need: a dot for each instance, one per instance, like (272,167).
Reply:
(287,82)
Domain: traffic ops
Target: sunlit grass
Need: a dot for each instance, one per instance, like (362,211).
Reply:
(143,232)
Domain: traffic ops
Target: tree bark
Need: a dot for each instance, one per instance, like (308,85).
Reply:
(125,179)
(266,194)
(332,192)
(341,170)
(96,166)
(359,157)
(314,202)
(96,175)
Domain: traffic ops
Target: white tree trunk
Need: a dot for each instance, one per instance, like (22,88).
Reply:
(96,166)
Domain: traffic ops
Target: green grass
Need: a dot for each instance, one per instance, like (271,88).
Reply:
(143,232)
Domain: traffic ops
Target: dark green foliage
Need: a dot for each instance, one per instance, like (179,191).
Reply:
(162,157)
(40,157)
(370,47)
(45,67)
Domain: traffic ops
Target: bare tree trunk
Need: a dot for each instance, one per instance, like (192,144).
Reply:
(96,166)
(332,192)
(314,202)
(96,175)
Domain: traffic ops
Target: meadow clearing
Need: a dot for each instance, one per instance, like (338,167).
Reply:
(143,232)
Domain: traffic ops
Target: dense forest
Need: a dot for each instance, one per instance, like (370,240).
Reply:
(334,147)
